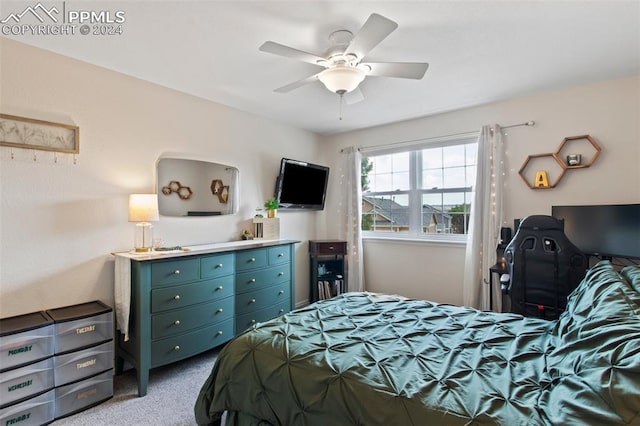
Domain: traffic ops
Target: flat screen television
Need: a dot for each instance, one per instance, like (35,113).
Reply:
(604,230)
(301,185)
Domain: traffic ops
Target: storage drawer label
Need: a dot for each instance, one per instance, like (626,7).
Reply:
(18,419)
(86,364)
(20,385)
(87,329)
(17,351)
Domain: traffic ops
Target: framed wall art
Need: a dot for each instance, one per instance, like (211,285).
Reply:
(29,133)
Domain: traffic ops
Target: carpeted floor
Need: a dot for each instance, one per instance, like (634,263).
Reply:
(169,401)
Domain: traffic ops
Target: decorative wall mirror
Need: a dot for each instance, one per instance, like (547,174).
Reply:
(196,188)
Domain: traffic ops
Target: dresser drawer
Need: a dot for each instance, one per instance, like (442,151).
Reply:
(39,410)
(174,272)
(25,339)
(328,247)
(73,334)
(183,320)
(78,365)
(79,396)
(26,381)
(163,299)
(217,266)
(256,280)
(172,349)
(251,259)
(278,255)
(247,320)
(253,301)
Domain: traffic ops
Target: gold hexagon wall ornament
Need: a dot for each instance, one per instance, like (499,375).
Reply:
(568,156)
(184,192)
(581,146)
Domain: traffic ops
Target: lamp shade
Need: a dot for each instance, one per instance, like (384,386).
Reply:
(341,79)
(143,208)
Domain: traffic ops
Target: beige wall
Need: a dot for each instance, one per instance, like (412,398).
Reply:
(59,222)
(608,111)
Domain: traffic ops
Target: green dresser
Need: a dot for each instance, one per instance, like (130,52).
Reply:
(186,303)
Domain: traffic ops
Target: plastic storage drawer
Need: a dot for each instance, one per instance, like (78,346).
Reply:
(25,339)
(83,325)
(36,411)
(84,394)
(74,366)
(23,382)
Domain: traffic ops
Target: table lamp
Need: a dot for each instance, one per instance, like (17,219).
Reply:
(143,208)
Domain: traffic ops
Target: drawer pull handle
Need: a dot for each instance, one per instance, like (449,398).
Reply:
(176,297)
(331,248)
(281,292)
(219,333)
(176,272)
(176,322)
(253,259)
(176,348)
(220,310)
(219,288)
(252,301)
(280,273)
(280,254)
(219,265)
(252,280)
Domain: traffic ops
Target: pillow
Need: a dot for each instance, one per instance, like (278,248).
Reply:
(592,361)
(632,275)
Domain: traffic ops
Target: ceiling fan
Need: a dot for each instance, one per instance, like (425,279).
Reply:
(343,64)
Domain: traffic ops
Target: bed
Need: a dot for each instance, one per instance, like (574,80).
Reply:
(375,359)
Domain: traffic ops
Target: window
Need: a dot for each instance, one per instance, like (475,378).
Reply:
(421,192)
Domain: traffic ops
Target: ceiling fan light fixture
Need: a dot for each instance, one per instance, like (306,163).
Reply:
(341,79)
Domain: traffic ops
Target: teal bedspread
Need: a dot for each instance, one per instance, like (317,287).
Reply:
(375,359)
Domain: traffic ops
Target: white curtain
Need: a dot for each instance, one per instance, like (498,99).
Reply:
(350,212)
(486,218)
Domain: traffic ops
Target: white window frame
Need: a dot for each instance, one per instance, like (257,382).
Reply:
(414,192)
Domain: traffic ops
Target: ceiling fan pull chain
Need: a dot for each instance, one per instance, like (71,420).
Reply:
(341,95)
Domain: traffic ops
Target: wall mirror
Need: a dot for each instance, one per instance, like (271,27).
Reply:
(196,188)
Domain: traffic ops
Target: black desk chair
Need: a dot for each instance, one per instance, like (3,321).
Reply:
(543,268)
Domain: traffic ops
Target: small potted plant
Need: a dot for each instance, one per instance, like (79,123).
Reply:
(272,206)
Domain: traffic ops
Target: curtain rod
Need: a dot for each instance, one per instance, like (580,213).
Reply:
(464,134)
(528,123)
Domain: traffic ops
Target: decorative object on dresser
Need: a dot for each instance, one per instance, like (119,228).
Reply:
(55,363)
(266,228)
(185,303)
(143,208)
(272,207)
(327,269)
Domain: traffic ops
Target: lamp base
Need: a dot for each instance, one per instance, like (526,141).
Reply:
(143,237)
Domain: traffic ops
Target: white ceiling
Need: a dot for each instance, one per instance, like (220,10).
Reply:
(479,51)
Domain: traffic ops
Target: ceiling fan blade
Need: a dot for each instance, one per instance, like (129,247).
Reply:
(376,29)
(290,52)
(354,96)
(291,86)
(414,70)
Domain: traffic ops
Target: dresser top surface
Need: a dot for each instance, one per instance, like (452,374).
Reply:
(204,249)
